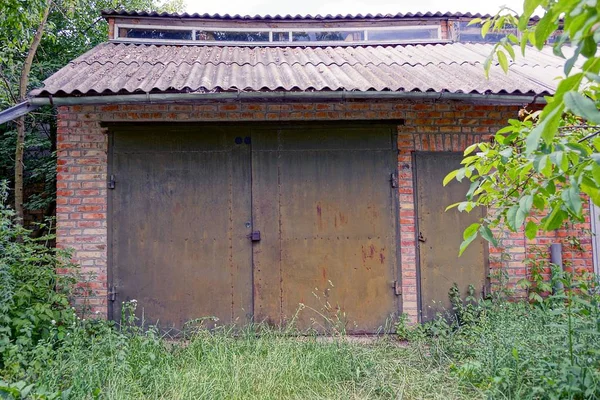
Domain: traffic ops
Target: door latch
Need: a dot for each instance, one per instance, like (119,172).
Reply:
(422,238)
(254,236)
(397,288)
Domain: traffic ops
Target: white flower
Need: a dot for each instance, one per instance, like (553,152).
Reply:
(134,301)
(53,322)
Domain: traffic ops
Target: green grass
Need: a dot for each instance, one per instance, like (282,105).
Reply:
(219,365)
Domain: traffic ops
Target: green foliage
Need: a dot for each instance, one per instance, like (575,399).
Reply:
(34,304)
(73,27)
(547,349)
(535,172)
(537,191)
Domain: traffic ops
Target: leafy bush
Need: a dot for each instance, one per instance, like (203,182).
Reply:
(547,349)
(34,298)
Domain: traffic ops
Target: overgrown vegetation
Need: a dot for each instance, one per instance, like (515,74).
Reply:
(548,349)
(536,170)
(72,28)
(488,349)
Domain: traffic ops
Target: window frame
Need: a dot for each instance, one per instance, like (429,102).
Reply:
(272,30)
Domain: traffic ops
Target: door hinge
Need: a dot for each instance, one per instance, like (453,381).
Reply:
(397,288)
(112,293)
(394,179)
(111,182)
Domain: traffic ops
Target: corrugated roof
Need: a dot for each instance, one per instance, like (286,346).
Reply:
(113,68)
(298,17)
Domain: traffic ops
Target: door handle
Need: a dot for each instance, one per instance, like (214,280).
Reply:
(422,239)
(254,236)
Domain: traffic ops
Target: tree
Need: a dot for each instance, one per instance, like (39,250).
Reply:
(37,37)
(537,168)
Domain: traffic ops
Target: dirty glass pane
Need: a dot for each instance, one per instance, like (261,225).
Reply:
(472,34)
(395,35)
(281,36)
(163,34)
(228,36)
(332,36)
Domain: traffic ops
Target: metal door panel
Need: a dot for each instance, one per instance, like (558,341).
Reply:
(265,215)
(330,202)
(440,266)
(178,225)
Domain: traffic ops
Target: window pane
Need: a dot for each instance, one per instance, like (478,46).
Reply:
(281,36)
(388,35)
(232,36)
(472,33)
(334,36)
(165,34)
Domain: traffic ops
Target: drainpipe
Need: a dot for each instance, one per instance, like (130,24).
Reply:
(556,259)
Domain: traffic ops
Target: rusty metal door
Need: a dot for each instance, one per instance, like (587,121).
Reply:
(180,214)
(324,203)
(440,235)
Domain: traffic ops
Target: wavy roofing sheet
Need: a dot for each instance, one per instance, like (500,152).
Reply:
(288,17)
(112,68)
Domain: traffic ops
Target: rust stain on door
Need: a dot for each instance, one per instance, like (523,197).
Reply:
(333,219)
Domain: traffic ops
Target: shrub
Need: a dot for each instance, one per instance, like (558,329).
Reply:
(34,298)
(546,349)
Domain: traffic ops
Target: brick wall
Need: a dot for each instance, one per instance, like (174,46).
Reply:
(429,126)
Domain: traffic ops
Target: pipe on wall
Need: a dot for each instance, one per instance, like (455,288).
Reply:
(556,259)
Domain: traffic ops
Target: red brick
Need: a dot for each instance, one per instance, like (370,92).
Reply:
(439,126)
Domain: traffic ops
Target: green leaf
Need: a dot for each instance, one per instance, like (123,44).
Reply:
(572,199)
(539,202)
(582,106)
(486,27)
(515,217)
(525,203)
(596,173)
(524,37)
(592,192)
(545,129)
(531,230)
(470,149)
(589,47)
(466,242)
(555,219)
(502,60)
(529,7)
(510,50)
(470,230)
(450,176)
(544,28)
(487,234)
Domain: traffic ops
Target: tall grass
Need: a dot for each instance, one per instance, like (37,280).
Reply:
(227,364)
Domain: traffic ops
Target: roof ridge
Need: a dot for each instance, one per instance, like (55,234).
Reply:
(257,17)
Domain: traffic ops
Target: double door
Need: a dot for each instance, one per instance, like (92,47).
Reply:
(267,223)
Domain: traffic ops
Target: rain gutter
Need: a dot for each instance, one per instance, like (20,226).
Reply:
(292,96)
(36,102)
(17,111)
